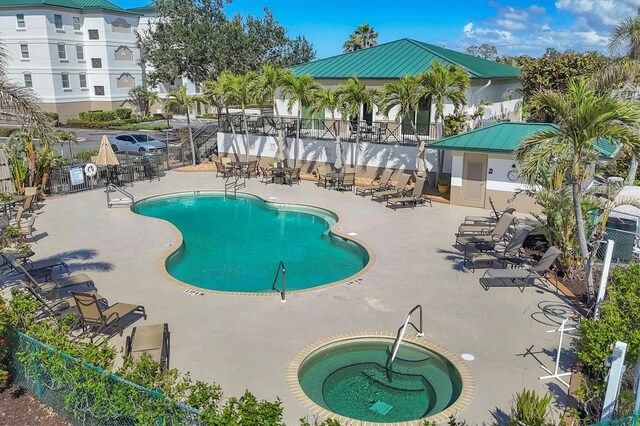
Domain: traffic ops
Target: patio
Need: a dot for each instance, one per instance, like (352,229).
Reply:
(244,342)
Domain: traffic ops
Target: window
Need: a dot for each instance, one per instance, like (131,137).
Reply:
(20,19)
(80,52)
(57,20)
(96,63)
(24,51)
(62,51)
(77,26)
(28,82)
(98,90)
(65,81)
(83,81)
(93,35)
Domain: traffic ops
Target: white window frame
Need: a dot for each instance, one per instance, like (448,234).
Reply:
(22,51)
(80,76)
(68,80)
(28,82)
(77,20)
(62,53)
(20,22)
(55,21)
(80,53)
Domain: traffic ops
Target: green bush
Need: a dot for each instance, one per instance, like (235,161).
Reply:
(86,155)
(123,113)
(54,117)
(95,116)
(5,132)
(142,126)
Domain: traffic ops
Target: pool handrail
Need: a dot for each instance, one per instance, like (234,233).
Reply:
(400,335)
(283,292)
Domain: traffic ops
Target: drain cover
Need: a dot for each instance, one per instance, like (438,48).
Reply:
(381,407)
(468,357)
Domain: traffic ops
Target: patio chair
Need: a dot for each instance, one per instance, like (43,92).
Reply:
(27,204)
(497,233)
(479,227)
(266,175)
(33,190)
(416,197)
(490,254)
(152,340)
(522,275)
(252,169)
(27,229)
(16,221)
(222,169)
(37,265)
(347,182)
(398,190)
(488,219)
(383,183)
(293,176)
(321,173)
(54,301)
(94,317)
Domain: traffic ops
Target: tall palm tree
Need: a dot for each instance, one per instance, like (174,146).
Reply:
(332,101)
(444,83)
(267,87)
(364,36)
(214,93)
(405,95)
(584,116)
(142,99)
(355,97)
(241,91)
(225,85)
(180,99)
(298,91)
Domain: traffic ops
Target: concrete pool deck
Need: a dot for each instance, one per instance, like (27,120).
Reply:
(244,342)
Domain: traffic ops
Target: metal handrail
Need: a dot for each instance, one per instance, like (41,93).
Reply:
(283,292)
(235,185)
(400,335)
(114,187)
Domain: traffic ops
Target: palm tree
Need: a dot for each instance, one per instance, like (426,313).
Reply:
(61,136)
(298,91)
(364,36)
(405,95)
(214,94)
(22,101)
(225,83)
(142,99)
(584,116)
(241,91)
(444,83)
(355,97)
(328,100)
(180,99)
(267,86)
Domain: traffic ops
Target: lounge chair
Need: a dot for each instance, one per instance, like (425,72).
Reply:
(416,197)
(498,233)
(53,302)
(382,184)
(397,191)
(347,182)
(507,251)
(153,340)
(34,267)
(522,275)
(94,317)
(57,284)
(488,219)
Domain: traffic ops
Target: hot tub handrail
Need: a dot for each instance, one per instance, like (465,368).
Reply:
(400,335)
(283,292)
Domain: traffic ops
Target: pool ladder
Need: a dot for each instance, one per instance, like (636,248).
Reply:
(126,200)
(399,335)
(283,283)
(234,184)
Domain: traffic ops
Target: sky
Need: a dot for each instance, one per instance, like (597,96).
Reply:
(515,27)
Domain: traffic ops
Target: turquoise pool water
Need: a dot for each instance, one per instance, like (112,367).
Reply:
(349,378)
(236,244)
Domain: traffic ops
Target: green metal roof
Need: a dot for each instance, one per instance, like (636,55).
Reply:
(398,58)
(70,4)
(504,138)
(149,7)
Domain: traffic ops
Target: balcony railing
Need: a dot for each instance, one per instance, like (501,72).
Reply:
(383,132)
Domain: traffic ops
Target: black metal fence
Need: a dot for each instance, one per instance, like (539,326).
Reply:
(385,132)
(71,179)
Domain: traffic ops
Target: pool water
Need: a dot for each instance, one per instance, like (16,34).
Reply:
(236,244)
(350,378)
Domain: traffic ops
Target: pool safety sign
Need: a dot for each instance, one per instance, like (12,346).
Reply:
(77,176)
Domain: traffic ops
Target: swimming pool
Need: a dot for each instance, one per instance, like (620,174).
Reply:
(236,244)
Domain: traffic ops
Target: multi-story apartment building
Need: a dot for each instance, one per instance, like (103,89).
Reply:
(77,55)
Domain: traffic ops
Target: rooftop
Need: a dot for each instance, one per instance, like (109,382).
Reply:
(401,57)
(70,4)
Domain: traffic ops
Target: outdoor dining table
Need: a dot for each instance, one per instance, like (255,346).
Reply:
(238,165)
(279,174)
(332,178)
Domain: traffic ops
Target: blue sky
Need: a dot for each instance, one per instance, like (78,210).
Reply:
(514,27)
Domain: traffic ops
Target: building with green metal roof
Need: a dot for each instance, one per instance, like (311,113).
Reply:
(83,5)
(483,164)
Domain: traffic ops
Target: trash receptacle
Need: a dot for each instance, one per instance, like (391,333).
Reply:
(623,232)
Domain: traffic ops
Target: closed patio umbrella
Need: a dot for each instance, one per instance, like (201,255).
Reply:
(338,162)
(106,156)
(6,183)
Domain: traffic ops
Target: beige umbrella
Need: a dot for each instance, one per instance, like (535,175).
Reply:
(6,183)
(106,156)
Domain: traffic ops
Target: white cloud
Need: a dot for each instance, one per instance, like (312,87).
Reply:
(511,25)
(515,14)
(600,14)
(468,28)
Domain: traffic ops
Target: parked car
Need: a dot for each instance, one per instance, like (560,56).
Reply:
(136,142)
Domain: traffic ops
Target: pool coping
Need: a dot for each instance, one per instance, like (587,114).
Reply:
(466,393)
(174,247)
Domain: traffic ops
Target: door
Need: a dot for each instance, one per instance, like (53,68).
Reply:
(474,179)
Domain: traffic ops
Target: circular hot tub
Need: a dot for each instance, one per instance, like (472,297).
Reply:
(352,378)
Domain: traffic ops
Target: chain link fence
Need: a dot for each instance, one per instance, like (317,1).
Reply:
(87,395)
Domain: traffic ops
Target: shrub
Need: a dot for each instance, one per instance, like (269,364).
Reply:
(154,127)
(86,155)
(123,113)
(5,132)
(95,116)
(54,116)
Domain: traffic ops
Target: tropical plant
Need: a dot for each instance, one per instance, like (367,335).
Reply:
(298,91)
(584,116)
(63,136)
(330,100)
(180,99)
(355,97)
(362,37)
(444,83)
(267,86)
(240,90)
(405,95)
(531,409)
(142,98)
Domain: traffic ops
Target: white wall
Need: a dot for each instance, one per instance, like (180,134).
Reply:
(498,168)
(368,154)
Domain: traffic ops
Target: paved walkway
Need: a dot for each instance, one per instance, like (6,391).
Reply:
(244,342)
